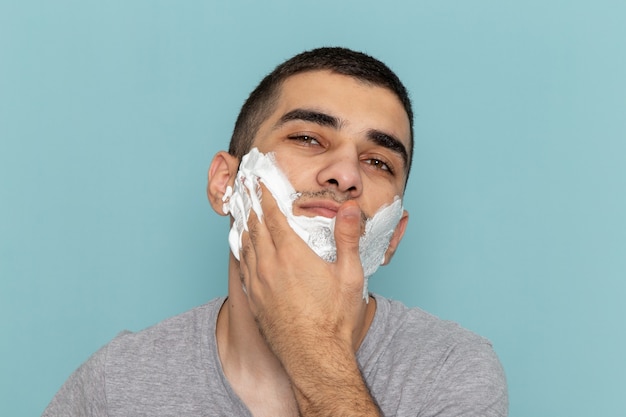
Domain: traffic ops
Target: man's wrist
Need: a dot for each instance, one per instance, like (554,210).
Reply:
(329,382)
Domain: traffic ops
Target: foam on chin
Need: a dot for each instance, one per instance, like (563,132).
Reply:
(318,231)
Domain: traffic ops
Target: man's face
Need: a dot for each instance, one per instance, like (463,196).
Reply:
(337,138)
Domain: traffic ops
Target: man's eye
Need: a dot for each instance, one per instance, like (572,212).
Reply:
(377,163)
(305,139)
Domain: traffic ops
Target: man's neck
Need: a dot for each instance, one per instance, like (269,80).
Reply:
(252,369)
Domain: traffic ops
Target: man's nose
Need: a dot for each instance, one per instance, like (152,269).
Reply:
(342,170)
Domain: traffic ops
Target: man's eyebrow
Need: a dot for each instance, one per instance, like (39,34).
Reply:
(312,116)
(390,142)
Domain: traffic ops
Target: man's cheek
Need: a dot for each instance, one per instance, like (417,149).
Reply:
(318,231)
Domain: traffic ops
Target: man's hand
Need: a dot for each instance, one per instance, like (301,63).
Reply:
(310,312)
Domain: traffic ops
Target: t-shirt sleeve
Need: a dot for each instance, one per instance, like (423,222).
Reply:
(83,394)
(470,383)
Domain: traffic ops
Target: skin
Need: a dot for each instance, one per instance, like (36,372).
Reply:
(288,344)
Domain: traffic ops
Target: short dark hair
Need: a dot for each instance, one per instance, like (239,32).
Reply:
(262,101)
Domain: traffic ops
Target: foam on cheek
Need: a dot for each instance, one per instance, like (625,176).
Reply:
(317,232)
(246,196)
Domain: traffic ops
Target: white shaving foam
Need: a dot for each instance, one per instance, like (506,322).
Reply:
(318,231)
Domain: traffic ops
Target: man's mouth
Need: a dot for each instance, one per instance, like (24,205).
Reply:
(316,207)
(323,204)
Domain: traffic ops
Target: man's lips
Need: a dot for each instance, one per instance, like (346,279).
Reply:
(310,208)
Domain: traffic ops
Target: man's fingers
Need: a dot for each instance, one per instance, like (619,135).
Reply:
(257,227)
(275,221)
(252,240)
(247,261)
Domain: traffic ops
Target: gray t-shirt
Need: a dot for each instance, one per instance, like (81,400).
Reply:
(414,364)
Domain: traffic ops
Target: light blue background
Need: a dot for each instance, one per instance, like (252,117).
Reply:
(110,113)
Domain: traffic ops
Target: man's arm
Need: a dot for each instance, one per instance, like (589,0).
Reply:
(311,312)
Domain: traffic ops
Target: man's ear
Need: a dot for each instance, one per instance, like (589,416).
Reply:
(397,237)
(222,174)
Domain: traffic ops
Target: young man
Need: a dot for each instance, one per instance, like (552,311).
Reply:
(298,333)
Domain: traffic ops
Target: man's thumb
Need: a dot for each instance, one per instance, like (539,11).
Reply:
(348,232)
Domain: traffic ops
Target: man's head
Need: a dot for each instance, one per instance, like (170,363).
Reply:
(338,124)
(262,101)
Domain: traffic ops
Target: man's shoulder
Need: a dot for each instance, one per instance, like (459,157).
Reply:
(176,335)
(411,338)
(437,363)
(191,321)
(400,321)
(168,363)
(143,373)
